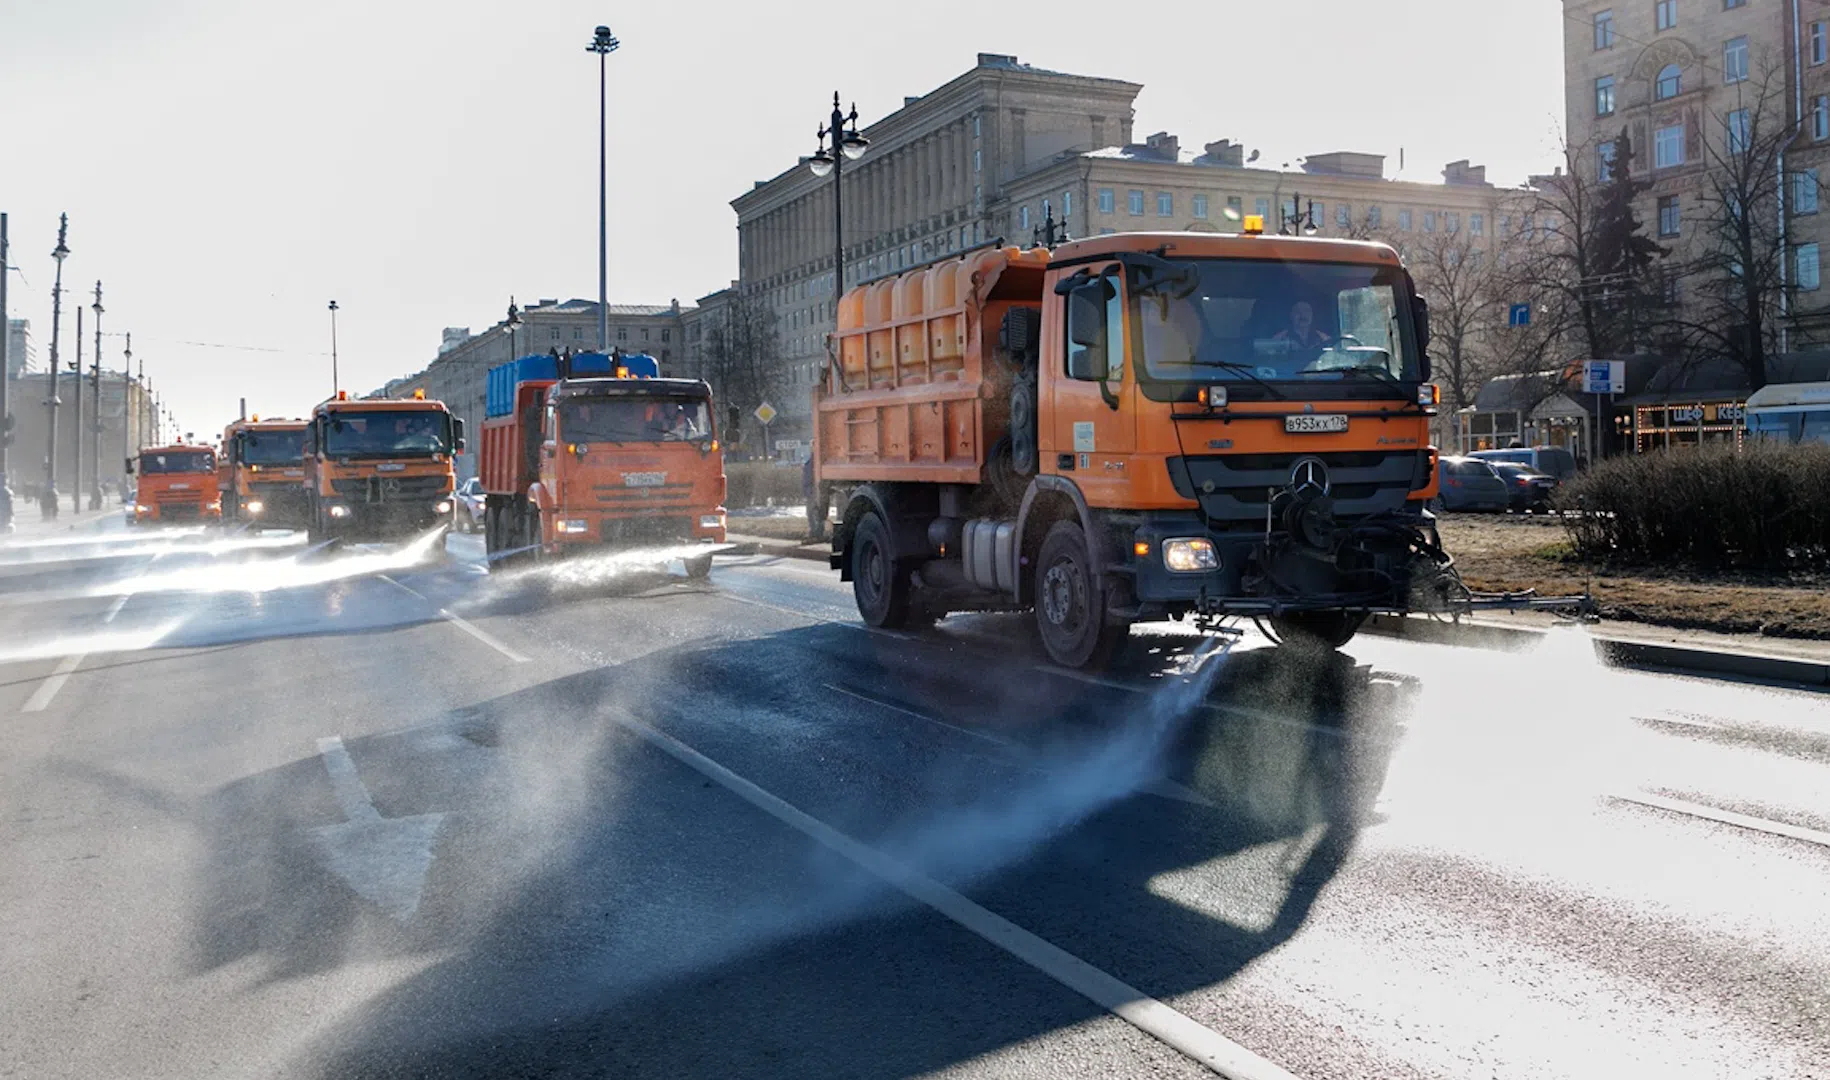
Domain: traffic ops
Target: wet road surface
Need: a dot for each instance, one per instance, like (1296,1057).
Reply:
(267,811)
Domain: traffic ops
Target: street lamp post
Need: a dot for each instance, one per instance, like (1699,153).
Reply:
(95,400)
(76,428)
(127,410)
(841,131)
(47,501)
(336,383)
(603,43)
(1304,219)
(511,324)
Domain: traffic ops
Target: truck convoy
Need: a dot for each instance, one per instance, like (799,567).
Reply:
(176,483)
(379,469)
(262,474)
(588,450)
(1137,427)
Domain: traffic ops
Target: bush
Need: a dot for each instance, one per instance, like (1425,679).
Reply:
(1763,508)
(762,483)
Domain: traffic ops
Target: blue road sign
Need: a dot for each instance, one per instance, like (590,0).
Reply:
(1518,315)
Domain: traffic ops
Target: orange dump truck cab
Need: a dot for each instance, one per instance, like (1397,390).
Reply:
(177,483)
(1137,427)
(380,468)
(573,461)
(262,473)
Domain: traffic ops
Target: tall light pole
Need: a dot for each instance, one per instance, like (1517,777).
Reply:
(48,500)
(127,410)
(76,428)
(95,430)
(603,43)
(847,145)
(336,383)
(511,324)
(6,381)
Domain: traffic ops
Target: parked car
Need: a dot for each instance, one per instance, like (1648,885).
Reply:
(1467,483)
(470,505)
(1549,460)
(1526,487)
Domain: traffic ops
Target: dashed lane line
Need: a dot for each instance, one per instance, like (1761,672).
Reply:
(461,623)
(1728,817)
(48,689)
(1175,1029)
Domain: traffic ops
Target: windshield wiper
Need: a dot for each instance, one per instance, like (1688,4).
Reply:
(1381,370)
(1242,369)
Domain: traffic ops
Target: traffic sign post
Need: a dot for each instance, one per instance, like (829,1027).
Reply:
(1518,315)
(765,414)
(1602,377)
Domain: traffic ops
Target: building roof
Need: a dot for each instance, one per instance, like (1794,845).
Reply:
(576,306)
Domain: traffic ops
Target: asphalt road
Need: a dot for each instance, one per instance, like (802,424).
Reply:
(273,813)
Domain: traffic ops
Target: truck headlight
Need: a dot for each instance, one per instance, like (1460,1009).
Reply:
(1190,555)
(141,508)
(443,506)
(255,506)
(711,521)
(574,526)
(339,511)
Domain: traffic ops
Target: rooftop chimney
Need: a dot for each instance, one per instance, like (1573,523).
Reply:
(1225,152)
(1462,173)
(1165,144)
(991,59)
(910,99)
(1346,163)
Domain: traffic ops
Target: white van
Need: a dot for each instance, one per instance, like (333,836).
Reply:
(1790,413)
(1549,460)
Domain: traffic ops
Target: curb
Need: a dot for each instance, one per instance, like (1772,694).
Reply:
(1615,652)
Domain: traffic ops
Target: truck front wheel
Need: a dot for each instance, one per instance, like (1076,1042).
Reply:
(1070,605)
(880,587)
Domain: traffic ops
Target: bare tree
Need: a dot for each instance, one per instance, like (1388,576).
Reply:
(1736,273)
(743,355)
(1459,278)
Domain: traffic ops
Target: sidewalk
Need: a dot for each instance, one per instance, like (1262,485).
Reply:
(29,524)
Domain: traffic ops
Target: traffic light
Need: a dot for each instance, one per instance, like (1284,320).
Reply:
(6,430)
(733,431)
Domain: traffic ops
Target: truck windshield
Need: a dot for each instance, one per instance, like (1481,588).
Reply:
(272,447)
(1277,322)
(182,461)
(387,433)
(626,419)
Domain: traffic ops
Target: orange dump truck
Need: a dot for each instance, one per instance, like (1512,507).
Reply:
(594,450)
(380,468)
(1137,427)
(262,473)
(175,483)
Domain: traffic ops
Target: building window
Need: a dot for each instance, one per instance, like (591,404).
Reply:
(978,161)
(1667,14)
(1067,204)
(1807,266)
(1668,220)
(1023,218)
(1726,4)
(1734,60)
(1738,131)
(644,333)
(1670,82)
(1604,96)
(1165,204)
(1134,202)
(1668,147)
(1404,220)
(1820,43)
(622,333)
(1604,161)
(1477,225)
(1505,224)
(1235,207)
(1375,216)
(1106,203)
(1261,207)
(1199,204)
(1343,216)
(1604,29)
(1429,221)
(975,125)
(1451,222)
(1804,192)
(1820,117)
(667,335)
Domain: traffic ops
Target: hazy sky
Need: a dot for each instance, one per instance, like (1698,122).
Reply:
(229,166)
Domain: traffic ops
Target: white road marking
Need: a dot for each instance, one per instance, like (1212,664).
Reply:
(994,740)
(48,689)
(383,860)
(462,624)
(1729,817)
(119,603)
(1205,1045)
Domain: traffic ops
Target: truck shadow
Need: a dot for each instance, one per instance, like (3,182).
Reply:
(596,908)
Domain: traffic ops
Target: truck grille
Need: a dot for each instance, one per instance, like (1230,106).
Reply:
(376,489)
(640,499)
(1235,488)
(647,529)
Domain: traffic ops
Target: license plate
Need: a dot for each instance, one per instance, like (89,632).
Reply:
(1315,423)
(644,479)
(181,487)
(390,466)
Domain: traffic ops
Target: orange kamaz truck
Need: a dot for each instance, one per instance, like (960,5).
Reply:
(262,474)
(1138,427)
(594,451)
(380,468)
(176,483)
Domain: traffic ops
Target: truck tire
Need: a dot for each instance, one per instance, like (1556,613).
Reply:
(880,587)
(1332,629)
(1071,605)
(698,567)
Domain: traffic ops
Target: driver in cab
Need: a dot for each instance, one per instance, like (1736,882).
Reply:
(1305,339)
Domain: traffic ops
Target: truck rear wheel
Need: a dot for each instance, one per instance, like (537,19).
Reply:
(1070,604)
(1332,629)
(880,587)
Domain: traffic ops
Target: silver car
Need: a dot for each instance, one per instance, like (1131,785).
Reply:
(1466,483)
(470,505)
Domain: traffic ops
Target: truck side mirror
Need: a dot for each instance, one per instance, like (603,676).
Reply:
(129,465)
(457,428)
(1086,319)
(1420,316)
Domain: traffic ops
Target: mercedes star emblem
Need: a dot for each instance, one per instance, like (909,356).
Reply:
(1309,472)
